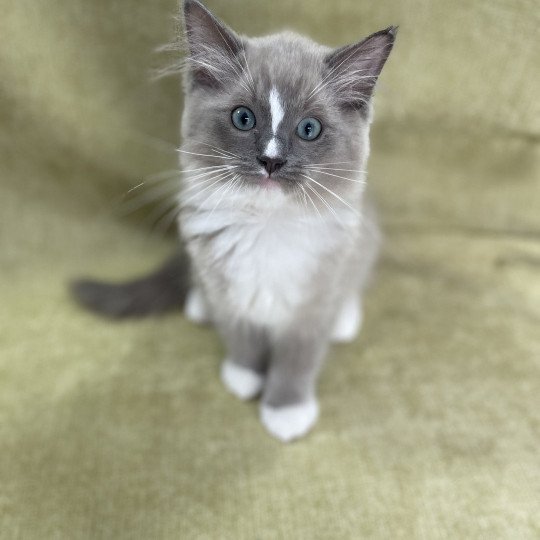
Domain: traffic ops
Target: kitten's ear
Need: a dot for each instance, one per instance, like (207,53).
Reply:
(354,69)
(212,45)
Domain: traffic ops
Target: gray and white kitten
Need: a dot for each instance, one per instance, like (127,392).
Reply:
(280,238)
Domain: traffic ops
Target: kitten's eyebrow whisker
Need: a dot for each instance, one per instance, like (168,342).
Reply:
(232,53)
(332,71)
(219,70)
(248,70)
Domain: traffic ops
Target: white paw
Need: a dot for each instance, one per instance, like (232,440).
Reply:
(244,383)
(348,322)
(290,422)
(195,308)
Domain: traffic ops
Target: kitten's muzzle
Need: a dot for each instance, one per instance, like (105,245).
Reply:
(271,164)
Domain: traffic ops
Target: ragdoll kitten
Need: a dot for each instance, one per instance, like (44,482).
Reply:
(281,242)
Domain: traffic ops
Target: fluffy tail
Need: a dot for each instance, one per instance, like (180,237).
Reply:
(163,290)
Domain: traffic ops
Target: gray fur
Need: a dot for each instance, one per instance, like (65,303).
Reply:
(277,257)
(221,211)
(162,291)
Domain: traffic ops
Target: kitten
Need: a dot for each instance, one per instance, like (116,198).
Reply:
(280,238)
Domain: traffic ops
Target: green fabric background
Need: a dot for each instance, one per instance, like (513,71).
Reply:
(430,422)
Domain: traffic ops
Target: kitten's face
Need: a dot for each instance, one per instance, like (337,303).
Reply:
(279,113)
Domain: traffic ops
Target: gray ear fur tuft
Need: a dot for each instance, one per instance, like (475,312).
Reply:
(354,69)
(213,46)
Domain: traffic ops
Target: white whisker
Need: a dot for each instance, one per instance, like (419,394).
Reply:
(203,155)
(200,182)
(303,193)
(313,203)
(217,148)
(184,203)
(148,197)
(182,172)
(248,71)
(324,201)
(333,194)
(162,210)
(166,220)
(229,185)
(334,169)
(338,176)
(163,174)
(333,163)
(134,188)
(225,168)
(210,195)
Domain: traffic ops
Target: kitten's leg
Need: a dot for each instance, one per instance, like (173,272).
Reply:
(348,321)
(242,372)
(289,407)
(196,309)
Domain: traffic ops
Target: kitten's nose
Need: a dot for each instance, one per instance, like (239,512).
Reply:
(271,164)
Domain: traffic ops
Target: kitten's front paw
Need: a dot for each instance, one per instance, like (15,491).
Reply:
(348,322)
(244,383)
(195,308)
(290,422)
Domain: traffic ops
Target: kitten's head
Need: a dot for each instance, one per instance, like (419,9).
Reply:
(279,112)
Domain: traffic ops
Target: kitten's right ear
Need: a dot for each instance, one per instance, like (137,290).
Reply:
(213,47)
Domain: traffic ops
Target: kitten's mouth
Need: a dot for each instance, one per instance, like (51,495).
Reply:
(270,183)
(265,181)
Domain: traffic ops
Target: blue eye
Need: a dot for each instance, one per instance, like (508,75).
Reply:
(243,118)
(309,129)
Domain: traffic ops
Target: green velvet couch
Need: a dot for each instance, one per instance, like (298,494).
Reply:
(430,423)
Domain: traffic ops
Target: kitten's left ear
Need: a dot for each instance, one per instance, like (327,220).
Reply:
(354,69)
(212,45)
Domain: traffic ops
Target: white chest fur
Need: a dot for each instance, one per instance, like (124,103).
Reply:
(263,259)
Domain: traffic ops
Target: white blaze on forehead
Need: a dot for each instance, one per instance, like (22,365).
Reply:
(276,113)
(276,109)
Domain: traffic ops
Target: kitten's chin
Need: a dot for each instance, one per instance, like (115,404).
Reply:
(266,184)
(265,193)
(269,183)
